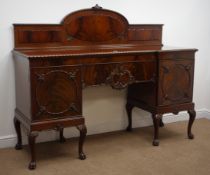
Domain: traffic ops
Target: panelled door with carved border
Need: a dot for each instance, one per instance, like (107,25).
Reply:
(176,81)
(56,92)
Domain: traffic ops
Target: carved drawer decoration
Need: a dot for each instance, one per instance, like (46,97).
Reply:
(119,75)
(57,92)
(176,81)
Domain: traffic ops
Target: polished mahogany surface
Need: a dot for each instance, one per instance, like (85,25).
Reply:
(93,47)
(114,49)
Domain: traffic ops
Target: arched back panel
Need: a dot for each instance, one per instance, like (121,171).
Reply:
(87,27)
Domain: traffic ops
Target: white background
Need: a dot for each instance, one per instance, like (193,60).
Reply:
(186,23)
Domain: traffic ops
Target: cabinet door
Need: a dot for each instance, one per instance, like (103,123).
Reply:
(56,92)
(175,81)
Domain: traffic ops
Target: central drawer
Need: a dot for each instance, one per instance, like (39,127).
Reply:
(118,74)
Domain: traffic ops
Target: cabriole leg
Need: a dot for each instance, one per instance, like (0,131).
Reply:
(156,122)
(83,132)
(192,115)
(161,124)
(129,108)
(18,131)
(31,140)
(62,138)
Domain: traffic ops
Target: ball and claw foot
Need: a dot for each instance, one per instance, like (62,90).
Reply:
(191,136)
(18,146)
(32,166)
(82,156)
(155,143)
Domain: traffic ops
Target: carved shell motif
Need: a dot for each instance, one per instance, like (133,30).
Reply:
(120,78)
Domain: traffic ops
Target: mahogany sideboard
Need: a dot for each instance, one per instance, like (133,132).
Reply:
(91,47)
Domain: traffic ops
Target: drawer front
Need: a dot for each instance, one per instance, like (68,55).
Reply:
(56,92)
(175,81)
(118,75)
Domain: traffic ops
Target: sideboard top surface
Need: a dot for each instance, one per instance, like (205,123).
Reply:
(96,50)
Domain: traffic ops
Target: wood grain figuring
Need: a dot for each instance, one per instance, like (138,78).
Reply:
(57,92)
(87,27)
(37,35)
(175,82)
(95,26)
(94,47)
(147,34)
